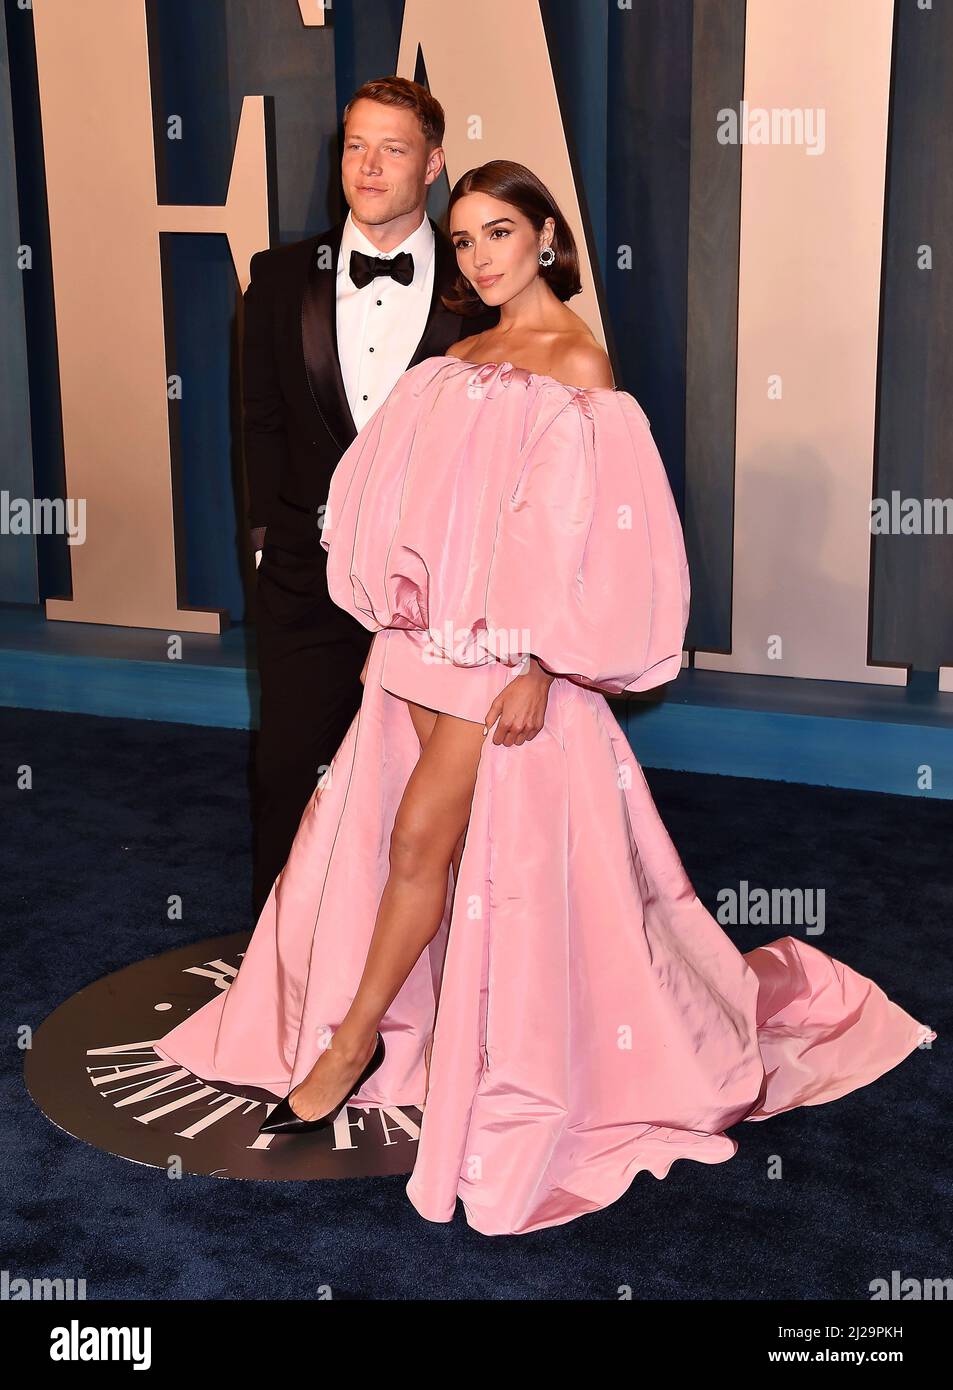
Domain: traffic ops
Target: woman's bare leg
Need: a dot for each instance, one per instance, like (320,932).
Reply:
(424,719)
(427,838)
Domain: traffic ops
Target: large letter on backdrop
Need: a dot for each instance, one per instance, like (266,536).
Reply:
(808,319)
(490,65)
(95,98)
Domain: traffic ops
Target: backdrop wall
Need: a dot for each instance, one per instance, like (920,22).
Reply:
(637,85)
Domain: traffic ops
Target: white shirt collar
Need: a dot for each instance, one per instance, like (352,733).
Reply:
(420,244)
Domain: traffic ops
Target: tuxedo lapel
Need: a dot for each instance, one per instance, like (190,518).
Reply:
(319,339)
(434,336)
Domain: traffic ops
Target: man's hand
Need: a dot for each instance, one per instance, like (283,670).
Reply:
(258,541)
(520,707)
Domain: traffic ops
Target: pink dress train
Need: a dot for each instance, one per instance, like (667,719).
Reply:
(584,1016)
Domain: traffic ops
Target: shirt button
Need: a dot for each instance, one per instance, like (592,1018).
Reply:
(363,398)
(370,349)
(379,301)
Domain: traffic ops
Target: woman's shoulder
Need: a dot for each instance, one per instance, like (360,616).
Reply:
(463,347)
(572,356)
(585,363)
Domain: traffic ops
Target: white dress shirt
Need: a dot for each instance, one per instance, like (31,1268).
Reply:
(380,324)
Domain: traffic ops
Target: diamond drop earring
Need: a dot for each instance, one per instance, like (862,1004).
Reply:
(547,256)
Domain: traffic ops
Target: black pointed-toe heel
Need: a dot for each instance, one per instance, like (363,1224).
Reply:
(283,1119)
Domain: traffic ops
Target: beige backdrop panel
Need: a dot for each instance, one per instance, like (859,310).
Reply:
(312,11)
(491,68)
(93,69)
(808,314)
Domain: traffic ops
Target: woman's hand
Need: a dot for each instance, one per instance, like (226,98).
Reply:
(520,706)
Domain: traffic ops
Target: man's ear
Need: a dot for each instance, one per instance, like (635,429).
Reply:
(434,169)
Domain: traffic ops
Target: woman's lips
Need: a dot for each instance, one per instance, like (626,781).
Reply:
(486,280)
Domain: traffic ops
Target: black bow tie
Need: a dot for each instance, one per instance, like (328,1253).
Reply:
(364,268)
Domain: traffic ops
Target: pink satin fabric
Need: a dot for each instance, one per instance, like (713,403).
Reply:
(589,1018)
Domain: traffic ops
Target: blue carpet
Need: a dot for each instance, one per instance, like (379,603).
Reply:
(123,813)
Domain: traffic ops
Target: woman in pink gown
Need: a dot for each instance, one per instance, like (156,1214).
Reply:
(506,906)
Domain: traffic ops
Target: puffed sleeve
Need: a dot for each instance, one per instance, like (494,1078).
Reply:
(589,563)
(370,504)
(506,514)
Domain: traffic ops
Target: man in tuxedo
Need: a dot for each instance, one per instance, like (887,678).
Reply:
(331,322)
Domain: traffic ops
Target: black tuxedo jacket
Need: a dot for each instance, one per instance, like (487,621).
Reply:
(296,418)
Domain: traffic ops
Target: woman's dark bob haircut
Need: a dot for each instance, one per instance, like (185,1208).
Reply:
(515,184)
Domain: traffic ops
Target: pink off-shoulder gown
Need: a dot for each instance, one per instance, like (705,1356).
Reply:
(584,1015)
